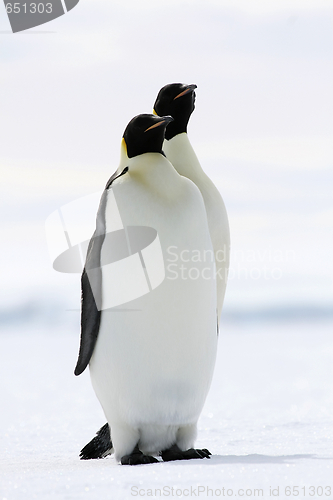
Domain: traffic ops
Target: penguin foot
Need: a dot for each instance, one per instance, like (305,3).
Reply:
(100,446)
(137,458)
(175,453)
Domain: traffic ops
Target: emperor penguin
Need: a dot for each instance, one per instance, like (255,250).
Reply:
(151,360)
(178,100)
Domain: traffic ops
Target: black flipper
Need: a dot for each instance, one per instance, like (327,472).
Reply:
(100,446)
(90,315)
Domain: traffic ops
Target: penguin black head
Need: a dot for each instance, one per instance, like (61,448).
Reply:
(177,100)
(145,134)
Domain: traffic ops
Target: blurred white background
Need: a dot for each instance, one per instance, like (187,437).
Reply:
(262,129)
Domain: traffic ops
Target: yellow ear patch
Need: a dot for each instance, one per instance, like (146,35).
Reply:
(154,112)
(124,145)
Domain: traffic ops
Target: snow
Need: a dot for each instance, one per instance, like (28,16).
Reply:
(267,419)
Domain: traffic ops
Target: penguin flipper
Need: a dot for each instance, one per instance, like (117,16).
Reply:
(90,321)
(91,292)
(100,446)
(91,286)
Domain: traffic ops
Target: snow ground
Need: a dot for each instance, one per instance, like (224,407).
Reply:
(267,420)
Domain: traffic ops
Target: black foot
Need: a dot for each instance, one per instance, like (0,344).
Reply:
(137,458)
(100,446)
(175,453)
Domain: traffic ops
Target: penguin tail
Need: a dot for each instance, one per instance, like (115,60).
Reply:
(100,446)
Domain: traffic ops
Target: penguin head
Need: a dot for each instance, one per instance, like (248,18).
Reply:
(145,134)
(177,100)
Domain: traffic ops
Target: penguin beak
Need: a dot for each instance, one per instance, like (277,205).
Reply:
(189,88)
(163,120)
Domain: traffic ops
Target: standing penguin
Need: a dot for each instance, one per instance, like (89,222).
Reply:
(177,100)
(151,364)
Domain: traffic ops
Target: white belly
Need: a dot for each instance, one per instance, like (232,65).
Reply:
(154,365)
(154,357)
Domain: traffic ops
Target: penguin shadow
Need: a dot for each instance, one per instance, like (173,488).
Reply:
(253,459)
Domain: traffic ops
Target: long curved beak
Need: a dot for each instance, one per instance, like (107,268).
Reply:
(164,120)
(189,88)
